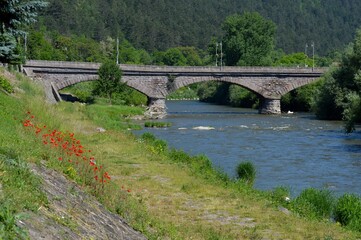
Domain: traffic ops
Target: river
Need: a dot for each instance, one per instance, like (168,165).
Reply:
(291,150)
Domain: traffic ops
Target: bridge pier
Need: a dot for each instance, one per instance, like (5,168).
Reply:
(270,106)
(156,108)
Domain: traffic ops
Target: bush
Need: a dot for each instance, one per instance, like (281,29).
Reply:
(148,137)
(348,211)
(280,195)
(314,204)
(5,84)
(246,172)
(156,145)
(157,124)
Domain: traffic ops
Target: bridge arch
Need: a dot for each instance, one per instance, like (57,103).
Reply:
(182,81)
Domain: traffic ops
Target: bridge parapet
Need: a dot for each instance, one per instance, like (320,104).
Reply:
(175,69)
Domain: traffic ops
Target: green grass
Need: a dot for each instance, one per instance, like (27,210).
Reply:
(5,85)
(20,189)
(165,193)
(115,117)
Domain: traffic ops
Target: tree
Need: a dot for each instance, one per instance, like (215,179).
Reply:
(248,40)
(109,79)
(15,14)
(340,94)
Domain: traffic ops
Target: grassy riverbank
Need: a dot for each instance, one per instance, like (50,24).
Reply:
(164,193)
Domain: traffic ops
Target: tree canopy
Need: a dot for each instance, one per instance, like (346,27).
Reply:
(159,25)
(109,79)
(15,14)
(248,40)
(340,94)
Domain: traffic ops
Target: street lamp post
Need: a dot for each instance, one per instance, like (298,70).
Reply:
(306,54)
(221,56)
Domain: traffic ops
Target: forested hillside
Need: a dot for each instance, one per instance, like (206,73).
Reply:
(159,24)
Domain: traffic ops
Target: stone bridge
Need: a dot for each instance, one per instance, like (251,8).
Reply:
(156,82)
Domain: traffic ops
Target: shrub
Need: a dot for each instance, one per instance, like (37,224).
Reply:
(156,145)
(281,195)
(5,84)
(314,204)
(246,172)
(348,211)
(157,124)
(148,137)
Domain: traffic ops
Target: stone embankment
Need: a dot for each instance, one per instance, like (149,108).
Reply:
(72,214)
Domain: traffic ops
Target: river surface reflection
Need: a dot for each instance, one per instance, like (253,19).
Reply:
(292,150)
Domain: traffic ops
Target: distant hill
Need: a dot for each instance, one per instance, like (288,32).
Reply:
(160,24)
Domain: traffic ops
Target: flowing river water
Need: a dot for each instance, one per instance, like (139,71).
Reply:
(291,150)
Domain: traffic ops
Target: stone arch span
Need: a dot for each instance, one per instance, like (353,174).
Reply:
(62,81)
(270,87)
(183,81)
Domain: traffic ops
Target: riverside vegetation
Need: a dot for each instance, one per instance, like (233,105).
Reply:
(162,192)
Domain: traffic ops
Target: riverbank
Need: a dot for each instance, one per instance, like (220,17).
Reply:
(164,198)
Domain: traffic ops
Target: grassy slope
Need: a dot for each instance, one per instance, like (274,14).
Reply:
(180,204)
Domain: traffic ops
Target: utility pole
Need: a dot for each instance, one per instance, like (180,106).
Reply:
(117,50)
(216,54)
(221,55)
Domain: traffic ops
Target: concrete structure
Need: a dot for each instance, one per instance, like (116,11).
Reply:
(156,82)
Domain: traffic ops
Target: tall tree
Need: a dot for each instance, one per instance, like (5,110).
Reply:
(248,40)
(109,79)
(15,14)
(340,94)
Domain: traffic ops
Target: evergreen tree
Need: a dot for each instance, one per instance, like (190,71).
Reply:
(14,15)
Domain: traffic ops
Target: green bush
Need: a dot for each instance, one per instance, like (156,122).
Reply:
(281,195)
(314,204)
(246,172)
(5,84)
(348,211)
(84,96)
(148,137)
(156,145)
(157,124)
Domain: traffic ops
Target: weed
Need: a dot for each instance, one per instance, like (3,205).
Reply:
(246,172)
(281,196)
(348,211)
(5,84)
(314,204)
(8,227)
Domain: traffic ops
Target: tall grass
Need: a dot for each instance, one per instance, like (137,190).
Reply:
(314,204)
(246,172)
(348,211)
